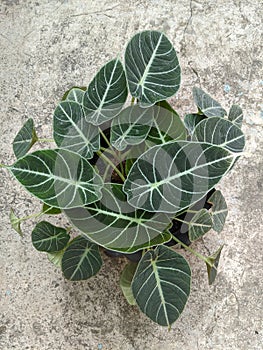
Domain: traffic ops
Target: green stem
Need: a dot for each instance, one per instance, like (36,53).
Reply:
(45,140)
(200,256)
(132,101)
(100,154)
(3,166)
(35,215)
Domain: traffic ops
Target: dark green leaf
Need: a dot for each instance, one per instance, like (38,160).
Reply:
(167,125)
(131,126)
(71,93)
(59,178)
(25,139)
(50,210)
(126,280)
(106,94)
(200,224)
(161,285)
(207,105)
(191,120)
(219,210)
(15,222)
(236,115)
(81,260)
(73,132)
(76,95)
(214,260)
(115,225)
(221,132)
(152,67)
(173,176)
(49,238)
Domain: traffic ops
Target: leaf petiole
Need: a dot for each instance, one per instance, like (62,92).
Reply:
(198,255)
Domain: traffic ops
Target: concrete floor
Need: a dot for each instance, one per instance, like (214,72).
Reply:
(49,46)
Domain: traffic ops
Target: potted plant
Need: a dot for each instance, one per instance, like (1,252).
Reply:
(133,179)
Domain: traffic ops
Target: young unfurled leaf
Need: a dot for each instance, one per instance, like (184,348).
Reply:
(60,178)
(236,115)
(126,280)
(131,126)
(161,285)
(221,132)
(49,238)
(219,210)
(200,224)
(50,210)
(81,259)
(15,223)
(56,257)
(25,139)
(152,67)
(206,104)
(214,260)
(106,94)
(73,132)
(191,120)
(167,125)
(173,176)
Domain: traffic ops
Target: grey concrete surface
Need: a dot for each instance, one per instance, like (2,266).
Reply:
(49,46)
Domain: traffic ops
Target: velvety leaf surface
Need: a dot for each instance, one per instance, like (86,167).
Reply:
(131,126)
(59,178)
(219,210)
(221,132)
(236,115)
(152,67)
(49,238)
(191,120)
(114,224)
(212,270)
(161,285)
(81,260)
(73,132)
(25,139)
(106,94)
(206,104)
(173,176)
(167,125)
(200,224)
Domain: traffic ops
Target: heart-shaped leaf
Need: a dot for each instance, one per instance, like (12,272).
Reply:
(214,261)
(49,238)
(81,260)
(200,224)
(131,126)
(236,115)
(191,120)
(59,178)
(73,132)
(25,139)
(206,104)
(15,222)
(126,280)
(115,225)
(167,125)
(106,94)
(221,132)
(152,67)
(173,176)
(161,285)
(219,210)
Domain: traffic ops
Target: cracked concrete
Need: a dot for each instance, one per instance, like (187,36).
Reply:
(49,46)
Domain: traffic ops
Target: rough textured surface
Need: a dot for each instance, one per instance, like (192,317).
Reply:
(49,46)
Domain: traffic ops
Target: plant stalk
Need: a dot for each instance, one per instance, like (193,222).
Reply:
(198,255)
(45,140)
(100,154)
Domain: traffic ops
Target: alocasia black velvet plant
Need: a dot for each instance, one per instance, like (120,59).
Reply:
(132,178)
